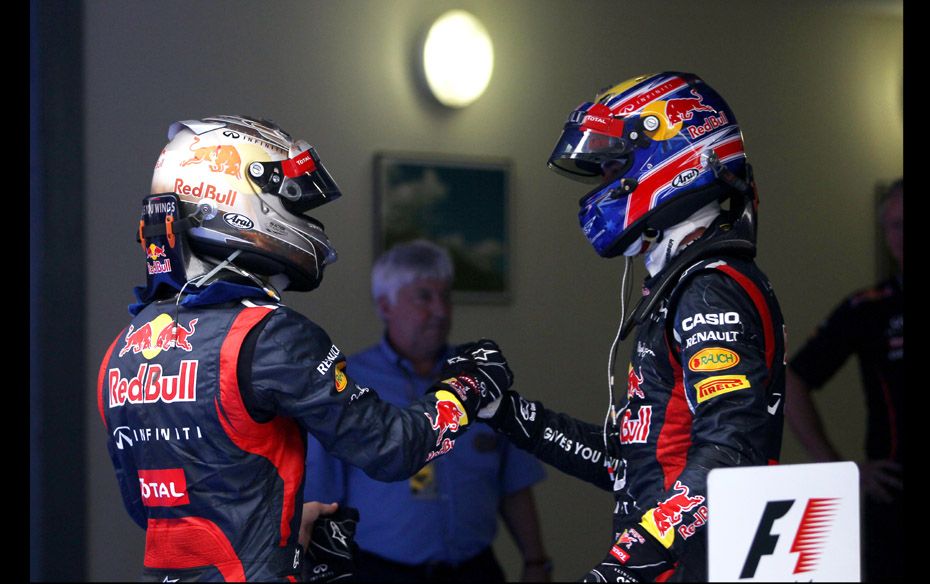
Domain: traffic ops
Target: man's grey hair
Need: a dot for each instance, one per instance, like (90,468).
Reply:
(407,262)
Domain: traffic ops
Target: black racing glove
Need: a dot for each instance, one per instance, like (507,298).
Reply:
(332,549)
(478,374)
(636,556)
(517,418)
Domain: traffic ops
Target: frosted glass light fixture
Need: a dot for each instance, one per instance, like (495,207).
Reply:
(458,58)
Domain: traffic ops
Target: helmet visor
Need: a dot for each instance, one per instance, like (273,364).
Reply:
(591,136)
(302,182)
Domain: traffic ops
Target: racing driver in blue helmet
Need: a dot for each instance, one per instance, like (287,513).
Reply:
(209,392)
(706,380)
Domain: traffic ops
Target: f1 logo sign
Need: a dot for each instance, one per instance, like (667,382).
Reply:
(808,540)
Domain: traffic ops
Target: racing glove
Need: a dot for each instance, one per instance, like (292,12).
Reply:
(332,549)
(515,417)
(636,556)
(479,375)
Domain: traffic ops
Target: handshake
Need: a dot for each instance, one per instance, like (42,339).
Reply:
(478,375)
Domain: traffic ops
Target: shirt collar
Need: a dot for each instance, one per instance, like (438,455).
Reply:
(394,357)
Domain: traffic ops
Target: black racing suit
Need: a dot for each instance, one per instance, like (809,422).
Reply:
(705,390)
(207,425)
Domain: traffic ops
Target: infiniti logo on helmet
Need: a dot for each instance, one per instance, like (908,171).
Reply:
(685,177)
(238,221)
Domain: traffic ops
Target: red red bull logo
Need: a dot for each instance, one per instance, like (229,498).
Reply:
(154,265)
(679,110)
(448,415)
(635,430)
(163,487)
(155,252)
(137,339)
(661,519)
(157,335)
(633,384)
(220,158)
(151,385)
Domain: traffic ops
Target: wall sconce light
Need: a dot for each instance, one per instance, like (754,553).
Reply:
(458,58)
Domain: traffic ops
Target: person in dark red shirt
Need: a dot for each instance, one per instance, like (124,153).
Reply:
(870,325)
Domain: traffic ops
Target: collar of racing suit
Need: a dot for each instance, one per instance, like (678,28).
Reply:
(721,238)
(217,292)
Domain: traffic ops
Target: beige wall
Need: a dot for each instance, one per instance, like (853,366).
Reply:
(816,86)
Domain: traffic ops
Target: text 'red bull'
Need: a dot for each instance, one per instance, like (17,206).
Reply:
(150,385)
(205,191)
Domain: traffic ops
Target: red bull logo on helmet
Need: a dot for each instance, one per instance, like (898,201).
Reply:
(679,110)
(154,265)
(661,519)
(220,158)
(157,335)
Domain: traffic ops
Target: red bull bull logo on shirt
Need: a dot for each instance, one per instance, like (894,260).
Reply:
(157,335)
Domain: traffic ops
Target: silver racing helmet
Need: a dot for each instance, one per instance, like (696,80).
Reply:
(244,189)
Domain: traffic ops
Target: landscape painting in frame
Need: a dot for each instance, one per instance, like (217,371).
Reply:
(458,203)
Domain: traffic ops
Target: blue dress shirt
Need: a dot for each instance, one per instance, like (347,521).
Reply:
(448,511)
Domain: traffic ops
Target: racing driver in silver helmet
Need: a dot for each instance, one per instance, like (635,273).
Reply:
(208,393)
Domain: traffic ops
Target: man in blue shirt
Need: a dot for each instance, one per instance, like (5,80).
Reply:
(440,524)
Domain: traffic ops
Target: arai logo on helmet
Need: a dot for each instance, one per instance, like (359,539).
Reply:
(685,177)
(238,221)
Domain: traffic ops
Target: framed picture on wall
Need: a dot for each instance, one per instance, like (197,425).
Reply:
(459,203)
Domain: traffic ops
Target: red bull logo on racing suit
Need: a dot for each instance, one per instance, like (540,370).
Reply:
(157,335)
(661,519)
